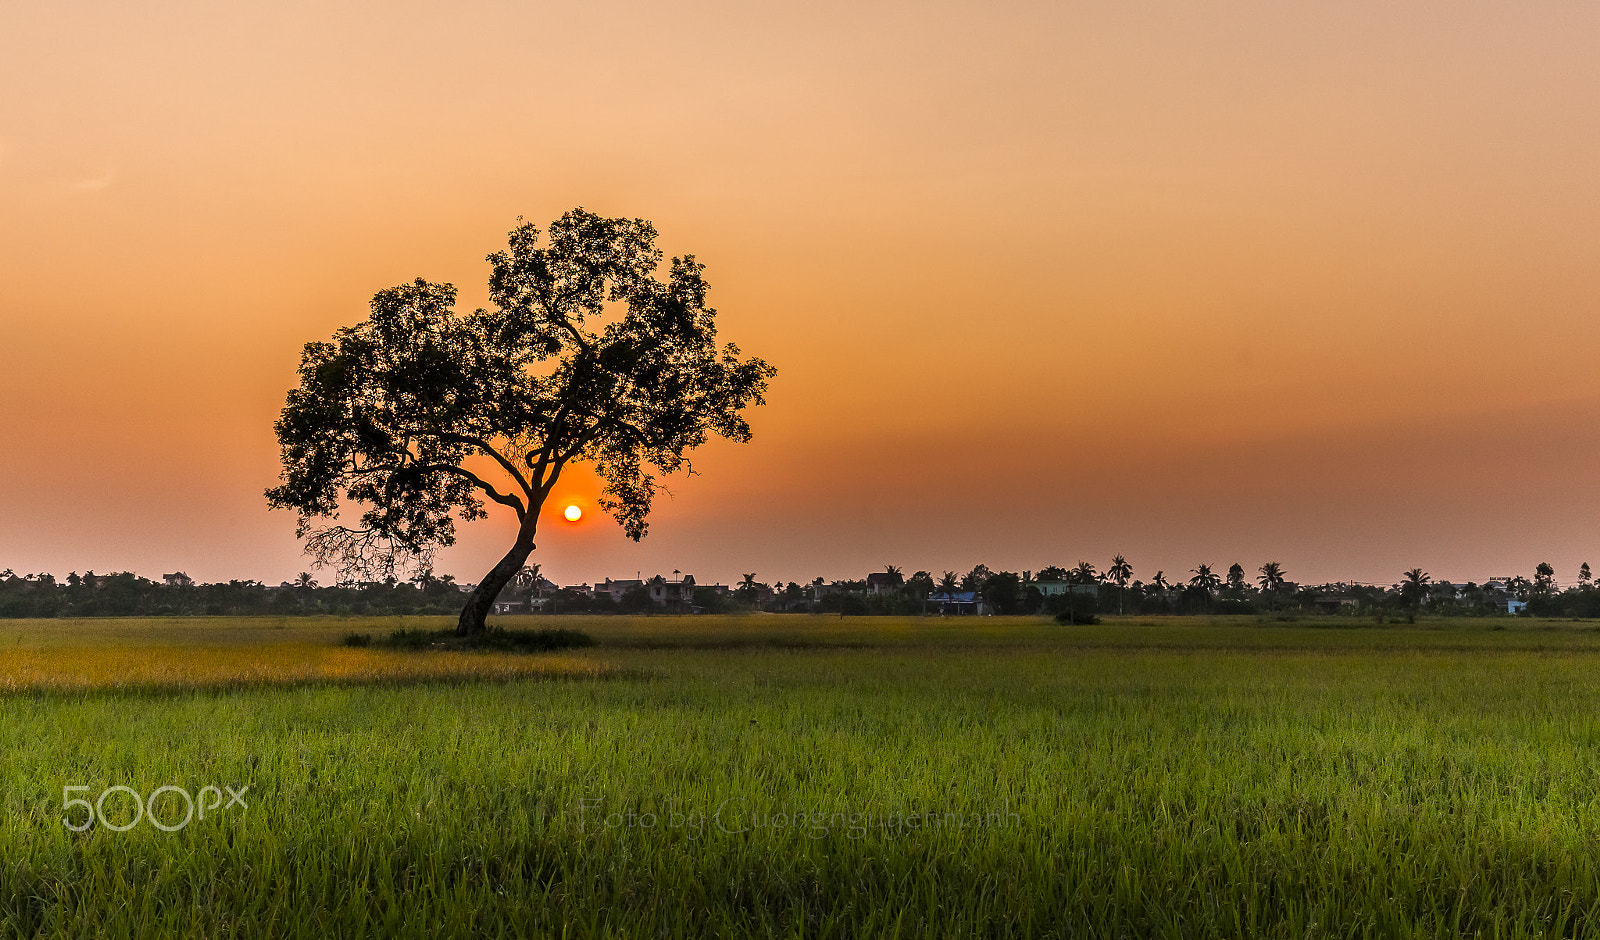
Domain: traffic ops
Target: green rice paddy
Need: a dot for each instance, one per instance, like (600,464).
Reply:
(806,777)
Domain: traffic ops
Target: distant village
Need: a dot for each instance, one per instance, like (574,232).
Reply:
(982,592)
(1051,590)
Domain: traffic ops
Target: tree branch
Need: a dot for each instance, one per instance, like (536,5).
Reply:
(502,499)
(560,319)
(538,465)
(505,464)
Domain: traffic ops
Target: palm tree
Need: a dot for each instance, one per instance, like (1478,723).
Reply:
(1051,573)
(1084,574)
(948,582)
(1205,580)
(1160,581)
(305,582)
(1414,588)
(895,577)
(1271,577)
(1120,571)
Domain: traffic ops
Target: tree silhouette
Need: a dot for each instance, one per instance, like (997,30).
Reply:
(1205,580)
(1414,588)
(1084,574)
(1002,592)
(1235,581)
(586,357)
(1120,571)
(920,585)
(1272,578)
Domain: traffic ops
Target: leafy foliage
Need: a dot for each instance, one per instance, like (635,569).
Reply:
(419,414)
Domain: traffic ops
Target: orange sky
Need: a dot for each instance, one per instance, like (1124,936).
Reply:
(1195,283)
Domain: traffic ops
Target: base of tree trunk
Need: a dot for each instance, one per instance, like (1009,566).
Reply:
(470,622)
(481,600)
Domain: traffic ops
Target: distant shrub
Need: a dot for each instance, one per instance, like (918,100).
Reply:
(494,638)
(357,639)
(710,602)
(854,605)
(636,601)
(531,640)
(1073,608)
(410,639)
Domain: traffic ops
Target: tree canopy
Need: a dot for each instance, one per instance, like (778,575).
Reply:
(420,414)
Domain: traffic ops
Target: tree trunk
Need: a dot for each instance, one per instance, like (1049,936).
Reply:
(481,600)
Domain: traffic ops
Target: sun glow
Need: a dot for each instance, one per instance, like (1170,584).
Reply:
(573,513)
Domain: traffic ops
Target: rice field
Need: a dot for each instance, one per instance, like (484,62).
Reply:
(805,776)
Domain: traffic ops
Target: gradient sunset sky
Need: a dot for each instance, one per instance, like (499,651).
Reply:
(1044,282)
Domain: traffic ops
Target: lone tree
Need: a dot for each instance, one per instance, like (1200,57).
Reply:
(1414,590)
(419,413)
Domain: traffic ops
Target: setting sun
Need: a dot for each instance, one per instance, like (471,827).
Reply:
(573,513)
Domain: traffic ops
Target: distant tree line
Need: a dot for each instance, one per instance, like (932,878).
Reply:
(1202,591)
(124,594)
(1089,591)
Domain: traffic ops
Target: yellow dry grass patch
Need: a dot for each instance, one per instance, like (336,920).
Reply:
(79,668)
